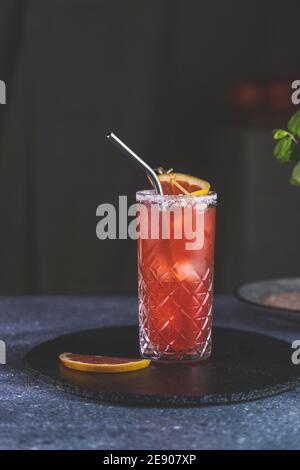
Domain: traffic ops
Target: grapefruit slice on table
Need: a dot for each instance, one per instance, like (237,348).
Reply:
(106,364)
(179,183)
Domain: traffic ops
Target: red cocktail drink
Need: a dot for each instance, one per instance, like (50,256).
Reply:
(175,275)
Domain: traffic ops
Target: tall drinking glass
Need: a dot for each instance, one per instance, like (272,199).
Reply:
(175,275)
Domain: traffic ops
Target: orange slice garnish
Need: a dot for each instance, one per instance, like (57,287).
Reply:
(106,364)
(179,183)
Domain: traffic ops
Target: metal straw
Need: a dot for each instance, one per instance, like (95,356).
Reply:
(125,149)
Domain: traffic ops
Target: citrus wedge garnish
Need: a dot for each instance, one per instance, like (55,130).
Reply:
(106,364)
(179,183)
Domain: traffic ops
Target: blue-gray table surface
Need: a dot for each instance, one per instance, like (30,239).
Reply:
(35,416)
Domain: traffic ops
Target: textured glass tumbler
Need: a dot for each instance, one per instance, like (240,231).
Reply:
(175,275)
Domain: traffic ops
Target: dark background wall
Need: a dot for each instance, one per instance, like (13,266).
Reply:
(157,73)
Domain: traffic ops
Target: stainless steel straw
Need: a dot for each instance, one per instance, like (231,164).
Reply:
(125,149)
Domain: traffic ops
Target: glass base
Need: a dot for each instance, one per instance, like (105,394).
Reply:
(191,355)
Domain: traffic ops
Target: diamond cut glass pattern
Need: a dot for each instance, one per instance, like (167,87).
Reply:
(175,288)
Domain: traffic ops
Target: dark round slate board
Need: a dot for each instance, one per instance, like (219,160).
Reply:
(243,366)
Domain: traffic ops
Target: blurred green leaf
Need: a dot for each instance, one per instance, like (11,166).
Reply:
(294,124)
(283,149)
(295,179)
(279,133)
